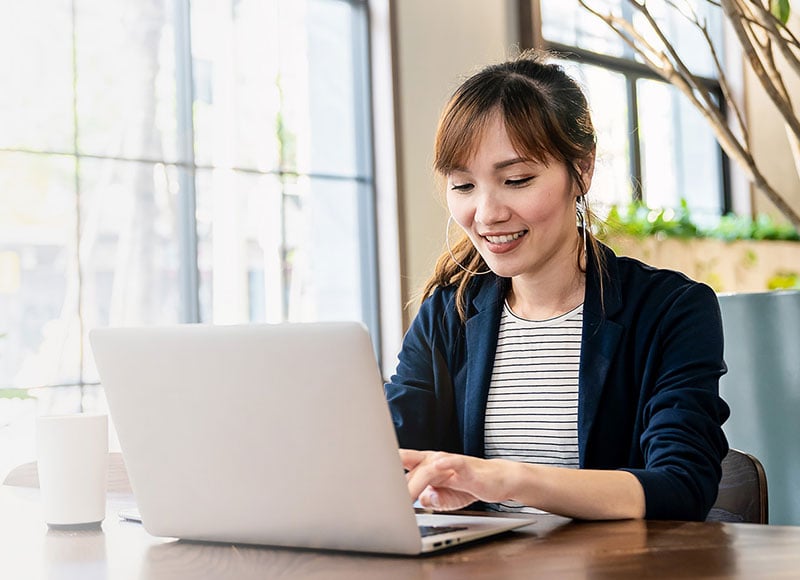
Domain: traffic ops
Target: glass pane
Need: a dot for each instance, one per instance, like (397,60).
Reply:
(326,126)
(323,233)
(272,251)
(237,98)
(126,78)
(240,232)
(680,157)
(129,246)
(608,99)
(38,275)
(36,98)
(675,21)
(276,86)
(567,22)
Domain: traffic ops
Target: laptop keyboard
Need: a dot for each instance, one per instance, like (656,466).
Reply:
(426,531)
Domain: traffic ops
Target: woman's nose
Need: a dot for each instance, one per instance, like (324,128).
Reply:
(490,210)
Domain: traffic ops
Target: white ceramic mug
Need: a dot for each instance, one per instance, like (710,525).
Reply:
(73,463)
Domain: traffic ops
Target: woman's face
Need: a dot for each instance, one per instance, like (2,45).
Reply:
(518,212)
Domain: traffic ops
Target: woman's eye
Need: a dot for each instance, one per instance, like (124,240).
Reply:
(461,187)
(518,182)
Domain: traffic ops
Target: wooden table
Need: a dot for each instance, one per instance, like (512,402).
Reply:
(552,548)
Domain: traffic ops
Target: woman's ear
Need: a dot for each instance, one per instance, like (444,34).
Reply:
(585,167)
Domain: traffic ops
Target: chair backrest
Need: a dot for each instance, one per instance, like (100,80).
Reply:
(742,491)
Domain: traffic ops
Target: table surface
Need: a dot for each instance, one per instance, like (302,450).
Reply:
(553,547)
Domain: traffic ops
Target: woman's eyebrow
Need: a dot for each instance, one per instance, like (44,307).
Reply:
(459,169)
(497,166)
(510,162)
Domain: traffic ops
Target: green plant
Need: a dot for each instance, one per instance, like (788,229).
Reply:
(784,281)
(15,394)
(637,220)
(733,227)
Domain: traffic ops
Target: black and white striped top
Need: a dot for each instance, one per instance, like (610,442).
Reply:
(532,410)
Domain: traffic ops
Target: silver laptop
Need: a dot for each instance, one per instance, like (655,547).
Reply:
(266,434)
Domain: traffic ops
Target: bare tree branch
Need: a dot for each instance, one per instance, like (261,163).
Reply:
(767,55)
(665,61)
(722,77)
(679,66)
(772,23)
(758,58)
(779,29)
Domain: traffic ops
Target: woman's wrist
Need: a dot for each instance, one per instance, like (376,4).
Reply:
(517,480)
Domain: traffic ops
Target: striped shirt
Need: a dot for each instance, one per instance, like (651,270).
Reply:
(532,409)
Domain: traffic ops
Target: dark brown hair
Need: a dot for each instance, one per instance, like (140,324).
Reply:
(546,116)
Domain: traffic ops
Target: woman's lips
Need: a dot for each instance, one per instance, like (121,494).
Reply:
(502,243)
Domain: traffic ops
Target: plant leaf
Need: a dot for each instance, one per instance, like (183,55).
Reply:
(780,10)
(15,394)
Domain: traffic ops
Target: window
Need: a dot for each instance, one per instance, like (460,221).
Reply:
(166,162)
(653,145)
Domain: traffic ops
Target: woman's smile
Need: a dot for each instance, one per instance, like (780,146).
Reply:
(506,242)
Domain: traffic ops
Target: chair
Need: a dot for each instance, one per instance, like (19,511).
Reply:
(743,493)
(27,475)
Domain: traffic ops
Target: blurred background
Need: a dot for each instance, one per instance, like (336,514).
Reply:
(234,161)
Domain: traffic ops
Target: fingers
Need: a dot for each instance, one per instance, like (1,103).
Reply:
(424,470)
(444,499)
(441,481)
(411,458)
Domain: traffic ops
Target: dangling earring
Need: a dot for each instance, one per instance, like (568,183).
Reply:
(450,251)
(581,209)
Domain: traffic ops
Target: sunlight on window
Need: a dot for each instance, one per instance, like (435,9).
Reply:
(167,161)
(651,142)
(230,171)
(680,158)
(612,178)
(566,22)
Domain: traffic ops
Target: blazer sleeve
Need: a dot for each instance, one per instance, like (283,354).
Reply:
(682,439)
(420,393)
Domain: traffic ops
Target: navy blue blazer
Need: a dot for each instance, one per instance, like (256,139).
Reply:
(651,360)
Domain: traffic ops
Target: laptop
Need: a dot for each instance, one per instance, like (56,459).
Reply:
(273,434)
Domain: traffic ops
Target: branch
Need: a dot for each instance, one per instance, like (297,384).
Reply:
(754,52)
(677,63)
(722,77)
(774,27)
(765,54)
(779,30)
(630,36)
(669,66)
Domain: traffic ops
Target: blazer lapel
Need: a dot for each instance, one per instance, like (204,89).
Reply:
(599,342)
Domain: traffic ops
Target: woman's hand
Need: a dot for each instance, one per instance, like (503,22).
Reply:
(446,481)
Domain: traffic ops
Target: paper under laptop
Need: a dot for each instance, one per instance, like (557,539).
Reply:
(266,434)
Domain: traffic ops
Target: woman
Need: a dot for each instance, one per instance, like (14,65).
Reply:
(542,371)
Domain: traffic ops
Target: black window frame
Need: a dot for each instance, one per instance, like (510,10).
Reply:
(531,36)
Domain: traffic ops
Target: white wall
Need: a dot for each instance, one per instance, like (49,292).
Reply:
(438,43)
(770,144)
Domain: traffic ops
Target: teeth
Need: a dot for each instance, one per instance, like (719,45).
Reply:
(504,239)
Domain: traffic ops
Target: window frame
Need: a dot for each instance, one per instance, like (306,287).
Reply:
(189,283)
(531,36)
